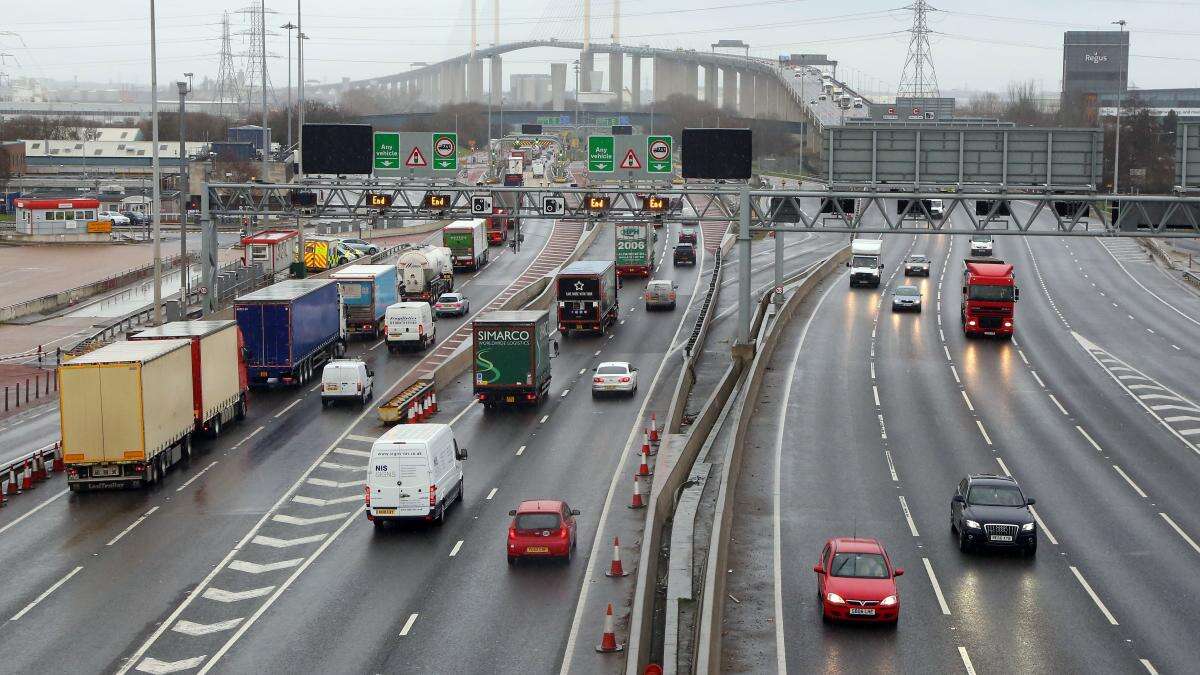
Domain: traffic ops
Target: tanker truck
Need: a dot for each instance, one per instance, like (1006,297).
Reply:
(425,273)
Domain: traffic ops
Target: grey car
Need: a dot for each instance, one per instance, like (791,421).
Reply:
(916,265)
(660,293)
(906,298)
(362,246)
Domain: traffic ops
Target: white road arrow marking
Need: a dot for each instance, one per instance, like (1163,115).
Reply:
(341,467)
(156,667)
(259,568)
(190,628)
(287,543)
(222,595)
(364,439)
(293,520)
(314,501)
(333,483)
(355,453)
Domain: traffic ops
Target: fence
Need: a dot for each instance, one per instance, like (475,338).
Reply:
(34,389)
(25,472)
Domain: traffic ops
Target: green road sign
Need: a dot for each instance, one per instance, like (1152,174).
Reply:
(600,154)
(387,150)
(445,151)
(658,154)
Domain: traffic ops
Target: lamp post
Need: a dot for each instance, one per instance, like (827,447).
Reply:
(301,270)
(289,26)
(185,88)
(1120,103)
(156,171)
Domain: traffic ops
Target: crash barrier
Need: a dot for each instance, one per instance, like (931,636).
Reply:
(36,387)
(1191,278)
(414,404)
(28,470)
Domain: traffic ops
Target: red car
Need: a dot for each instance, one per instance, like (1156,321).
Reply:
(542,528)
(857,582)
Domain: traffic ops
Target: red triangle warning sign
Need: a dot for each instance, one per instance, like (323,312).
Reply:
(415,159)
(631,161)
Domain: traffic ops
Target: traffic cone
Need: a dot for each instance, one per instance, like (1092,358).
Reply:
(615,569)
(608,642)
(644,467)
(14,481)
(57,465)
(39,467)
(653,429)
(27,477)
(412,414)
(637,494)
(433,399)
(420,410)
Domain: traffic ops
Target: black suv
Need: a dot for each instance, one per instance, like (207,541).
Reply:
(991,511)
(685,254)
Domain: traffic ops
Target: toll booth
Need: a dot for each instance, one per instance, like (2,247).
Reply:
(275,250)
(59,216)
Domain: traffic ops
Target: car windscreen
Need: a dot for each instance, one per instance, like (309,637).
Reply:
(907,290)
(537,521)
(863,261)
(995,495)
(996,293)
(981,237)
(859,566)
(918,259)
(612,370)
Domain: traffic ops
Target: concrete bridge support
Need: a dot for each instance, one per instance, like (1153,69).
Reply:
(761,95)
(710,85)
(558,86)
(690,79)
(475,80)
(587,63)
(635,82)
(729,88)
(616,77)
(496,81)
(745,93)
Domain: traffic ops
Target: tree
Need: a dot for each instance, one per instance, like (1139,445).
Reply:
(200,126)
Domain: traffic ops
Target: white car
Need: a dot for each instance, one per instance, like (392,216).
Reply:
(346,379)
(614,376)
(116,218)
(452,303)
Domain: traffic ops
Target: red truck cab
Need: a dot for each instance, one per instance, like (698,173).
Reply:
(989,297)
(498,225)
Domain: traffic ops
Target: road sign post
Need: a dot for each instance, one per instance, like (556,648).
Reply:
(601,156)
(658,152)
(445,151)
(387,150)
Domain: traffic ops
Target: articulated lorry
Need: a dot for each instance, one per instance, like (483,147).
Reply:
(865,262)
(989,298)
(634,254)
(467,241)
(425,273)
(219,383)
(511,353)
(587,296)
(290,329)
(126,412)
(367,291)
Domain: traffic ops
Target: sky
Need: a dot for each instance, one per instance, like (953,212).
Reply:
(976,45)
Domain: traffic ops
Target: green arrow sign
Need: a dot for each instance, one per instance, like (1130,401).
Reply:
(658,154)
(445,151)
(600,154)
(387,150)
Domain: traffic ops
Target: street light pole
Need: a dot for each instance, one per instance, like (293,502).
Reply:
(185,88)
(289,26)
(1120,102)
(156,172)
(266,149)
(303,271)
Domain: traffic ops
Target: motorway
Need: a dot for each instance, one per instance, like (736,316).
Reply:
(869,419)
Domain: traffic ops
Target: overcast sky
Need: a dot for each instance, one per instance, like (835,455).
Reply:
(980,45)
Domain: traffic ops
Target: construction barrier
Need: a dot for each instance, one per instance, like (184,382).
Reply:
(25,472)
(414,403)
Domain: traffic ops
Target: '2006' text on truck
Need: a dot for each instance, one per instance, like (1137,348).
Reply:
(989,297)
(290,329)
(634,250)
(587,296)
(367,291)
(467,241)
(512,353)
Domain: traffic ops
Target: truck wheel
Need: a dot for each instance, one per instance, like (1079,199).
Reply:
(241,409)
(74,487)
(216,431)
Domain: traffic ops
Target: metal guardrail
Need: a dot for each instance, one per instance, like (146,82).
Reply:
(25,472)
(1192,278)
(713,283)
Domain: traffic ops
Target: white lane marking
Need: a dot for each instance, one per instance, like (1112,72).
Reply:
(131,526)
(1045,530)
(1173,308)
(196,629)
(295,520)
(315,501)
(375,346)
(597,353)
(1021,352)
(954,372)
(967,399)
(250,435)
(1149,667)
(1003,466)
(334,466)
(875,391)
(582,371)
(263,540)
(947,350)
(966,659)
(1178,530)
(937,589)
(891,466)
(520,451)
(1039,379)
(32,511)
(491,494)
(622,322)
(1141,493)
(198,474)
(261,568)
(1150,330)
(1090,439)
(1095,598)
(316,387)
(1177,347)
(321,482)
(364,439)
(46,593)
(291,405)
(544,418)
(986,438)
(457,546)
(352,453)
(409,624)
(872,370)
(912,527)
(1060,406)
(564,393)
(221,595)
(156,667)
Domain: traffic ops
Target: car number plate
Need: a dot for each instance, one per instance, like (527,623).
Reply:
(989,332)
(106,471)
(510,399)
(331,387)
(861,611)
(1001,537)
(385,512)
(537,549)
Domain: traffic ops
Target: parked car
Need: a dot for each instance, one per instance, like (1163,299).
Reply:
(346,379)
(685,254)
(856,581)
(362,246)
(449,304)
(115,217)
(614,377)
(136,217)
(989,510)
(660,293)
(541,528)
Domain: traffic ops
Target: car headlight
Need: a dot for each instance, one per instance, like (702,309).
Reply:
(889,601)
(1027,527)
(835,599)
(971,524)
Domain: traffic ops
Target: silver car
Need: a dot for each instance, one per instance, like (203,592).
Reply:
(916,265)
(660,293)
(614,377)
(906,298)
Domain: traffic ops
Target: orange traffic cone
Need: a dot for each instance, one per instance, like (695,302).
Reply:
(14,481)
(27,477)
(637,494)
(420,410)
(412,414)
(653,429)
(39,467)
(433,400)
(644,467)
(608,642)
(615,569)
(57,465)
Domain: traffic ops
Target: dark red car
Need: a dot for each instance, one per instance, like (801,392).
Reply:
(857,582)
(542,528)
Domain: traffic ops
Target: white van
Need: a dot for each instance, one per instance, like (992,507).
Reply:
(415,472)
(346,379)
(409,325)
